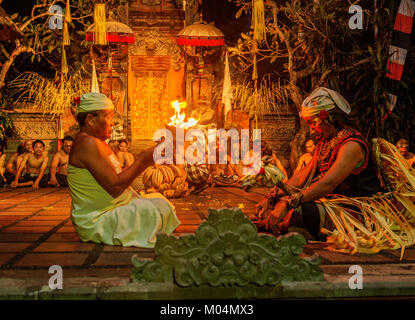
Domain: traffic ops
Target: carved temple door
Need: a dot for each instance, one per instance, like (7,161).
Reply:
(149,95)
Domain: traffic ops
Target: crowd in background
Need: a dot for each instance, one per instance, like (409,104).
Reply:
(30,165)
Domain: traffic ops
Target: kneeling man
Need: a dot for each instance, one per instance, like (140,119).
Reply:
(104,209)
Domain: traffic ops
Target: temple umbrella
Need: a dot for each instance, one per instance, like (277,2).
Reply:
(8,30)
(201,34)
(116,33)
(197,37)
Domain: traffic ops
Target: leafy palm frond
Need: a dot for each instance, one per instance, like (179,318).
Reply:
(266,99)
(47,95)
(387,221)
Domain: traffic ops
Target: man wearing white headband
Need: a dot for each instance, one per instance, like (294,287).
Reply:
(104,209)
(341,164)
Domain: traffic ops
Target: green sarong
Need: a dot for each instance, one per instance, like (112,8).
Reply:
(128,220)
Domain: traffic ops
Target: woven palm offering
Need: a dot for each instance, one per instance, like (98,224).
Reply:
(268,176)
(168,180)
(382,221)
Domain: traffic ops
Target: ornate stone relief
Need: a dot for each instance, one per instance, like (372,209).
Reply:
(35,126)
(277,128)
(226,250)
(151,44)
(151,2)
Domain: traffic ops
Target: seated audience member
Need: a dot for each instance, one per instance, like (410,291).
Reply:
(104,208)
(124,157)
(113,144)
(35,164)
(267,151)
(306,157)
(224,166)
(15,159)
(402,146)
(59,165)
(2,169)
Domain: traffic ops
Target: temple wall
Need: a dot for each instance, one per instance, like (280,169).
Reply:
(148,75)
(29,123)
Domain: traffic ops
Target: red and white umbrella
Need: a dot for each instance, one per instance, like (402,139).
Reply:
(201,34)
(197,37)
(117,32)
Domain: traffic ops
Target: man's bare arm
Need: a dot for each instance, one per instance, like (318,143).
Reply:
(41,172)
(348,157)
(281,167)
(95,159)
(299,178)
(129,159)
(10,164)
(22,164)
(300,163)
(53,167)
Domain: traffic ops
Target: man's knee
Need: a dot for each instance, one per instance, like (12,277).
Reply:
(308,218)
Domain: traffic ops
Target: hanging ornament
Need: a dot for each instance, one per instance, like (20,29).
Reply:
(201,65)
(227,94)
(61,132)
(64,63)
(68,19)
(94,84)
(100,36)
(68,12)
(258,20)
(109,60)
(255,71)
(66,37)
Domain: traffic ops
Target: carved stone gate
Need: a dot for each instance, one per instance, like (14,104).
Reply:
(149,93)
(155,73)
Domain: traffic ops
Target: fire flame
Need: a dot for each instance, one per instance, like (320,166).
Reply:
(178,119)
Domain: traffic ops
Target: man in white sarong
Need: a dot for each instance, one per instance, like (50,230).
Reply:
(104,208)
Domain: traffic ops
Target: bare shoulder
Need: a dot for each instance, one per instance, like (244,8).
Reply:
(83,145)
(13,157)
(352,150)
(61,154)
(86,148)
(25,156)
(352,146)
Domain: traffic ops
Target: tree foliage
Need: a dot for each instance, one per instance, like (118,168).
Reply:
(42,44)
(310,44)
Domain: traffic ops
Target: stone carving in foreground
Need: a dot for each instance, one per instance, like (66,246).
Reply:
(226,250)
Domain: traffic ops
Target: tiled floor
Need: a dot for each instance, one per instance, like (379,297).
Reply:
(36,232)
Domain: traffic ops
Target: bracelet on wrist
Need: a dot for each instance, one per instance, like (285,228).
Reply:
(293,201)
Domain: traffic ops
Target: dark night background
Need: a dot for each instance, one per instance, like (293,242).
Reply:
(24,7)
(224,19)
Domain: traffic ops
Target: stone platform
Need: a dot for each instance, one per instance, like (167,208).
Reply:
(36,232)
